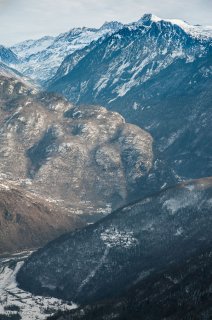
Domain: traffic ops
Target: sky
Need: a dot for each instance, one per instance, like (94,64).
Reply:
(31,19)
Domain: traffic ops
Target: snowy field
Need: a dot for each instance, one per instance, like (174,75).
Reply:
(14,301)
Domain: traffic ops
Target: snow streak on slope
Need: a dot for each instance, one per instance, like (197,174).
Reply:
(126,60)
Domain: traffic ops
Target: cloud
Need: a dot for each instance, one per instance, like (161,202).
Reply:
(22,19)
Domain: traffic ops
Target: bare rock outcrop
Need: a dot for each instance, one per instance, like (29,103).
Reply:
(86,157)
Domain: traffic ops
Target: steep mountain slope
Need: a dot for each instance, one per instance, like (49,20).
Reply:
(88,158)
(179,292)
(132,244)
(7,56)
(7,71)
(152,72)
(71,61)
(28,220)
(40,59)
(179,116)
(13,83)
(128,58)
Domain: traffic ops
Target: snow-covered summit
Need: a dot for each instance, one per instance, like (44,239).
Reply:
(41,58)
(194,30)
(30,47)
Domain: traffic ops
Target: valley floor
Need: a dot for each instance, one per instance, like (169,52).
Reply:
(20,304)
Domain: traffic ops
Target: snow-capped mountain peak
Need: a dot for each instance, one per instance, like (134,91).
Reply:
(30,47)
(197,31)
(41,58)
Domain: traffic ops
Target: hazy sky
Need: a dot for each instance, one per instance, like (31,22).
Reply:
(26,19)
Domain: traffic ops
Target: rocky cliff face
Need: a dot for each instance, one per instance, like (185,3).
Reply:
(129,246)
(88,158)
(28,220)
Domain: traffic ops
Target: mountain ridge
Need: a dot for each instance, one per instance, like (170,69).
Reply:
(35,55)
(40,59)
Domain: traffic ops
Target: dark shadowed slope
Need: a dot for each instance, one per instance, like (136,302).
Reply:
(28,220)
(177,292)
(105,259)
(7,56)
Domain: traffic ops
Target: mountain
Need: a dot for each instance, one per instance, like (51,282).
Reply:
(180,292)
(151,72)
(158,75)
(196,31)
(130,57)
(70,62)
(89,159)
(28,220)
(133,245)
(40,59)
(7,56)
(9,72)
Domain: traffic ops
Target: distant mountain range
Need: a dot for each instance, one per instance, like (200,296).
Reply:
(40,59)
(127,59)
